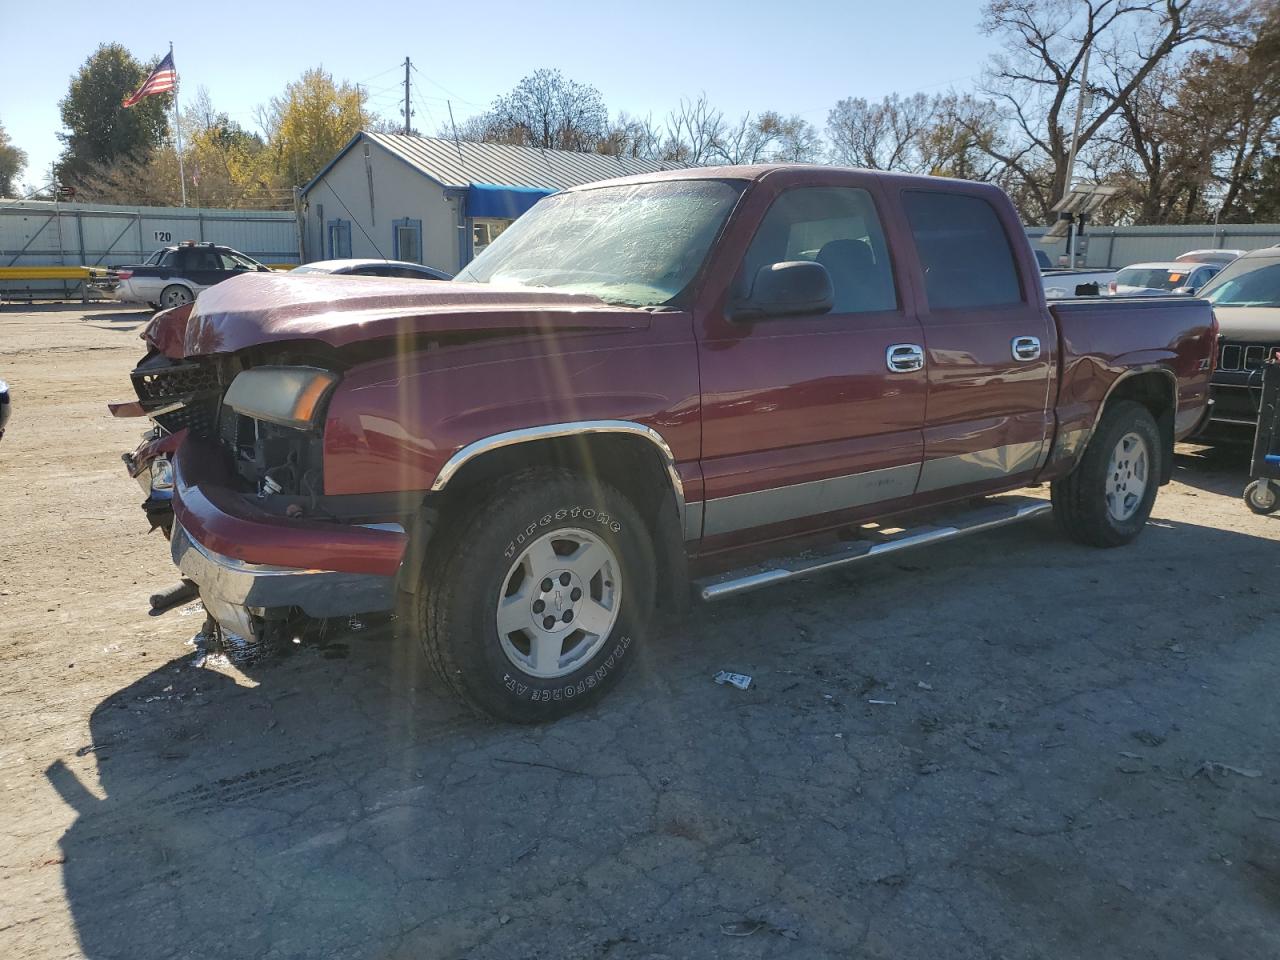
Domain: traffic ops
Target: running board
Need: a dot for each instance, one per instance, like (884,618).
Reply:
(875,541)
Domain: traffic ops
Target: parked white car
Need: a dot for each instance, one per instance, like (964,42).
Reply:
(1220,257)
(374,268)
(1162,279)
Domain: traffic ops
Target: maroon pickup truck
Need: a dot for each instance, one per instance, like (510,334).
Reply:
(713,378)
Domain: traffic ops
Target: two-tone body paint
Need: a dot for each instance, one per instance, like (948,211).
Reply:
(776,429)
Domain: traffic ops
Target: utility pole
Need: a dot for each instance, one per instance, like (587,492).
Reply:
(407,113)
(1081,103)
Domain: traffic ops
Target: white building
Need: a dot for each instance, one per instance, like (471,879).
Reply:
(435,201)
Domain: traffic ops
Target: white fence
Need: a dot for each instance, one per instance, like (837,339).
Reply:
(1120,246)
(44,234)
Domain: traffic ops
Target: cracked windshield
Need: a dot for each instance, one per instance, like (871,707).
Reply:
(636,245)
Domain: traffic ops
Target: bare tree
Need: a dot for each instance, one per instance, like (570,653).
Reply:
(547,109)
(635,137)
(1036,77)
(946,134)
(695,132)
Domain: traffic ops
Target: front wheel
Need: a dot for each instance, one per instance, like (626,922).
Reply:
(1260,497)
(1106,500)
(535,599)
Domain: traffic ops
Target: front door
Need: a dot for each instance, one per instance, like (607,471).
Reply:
(990,346)
(804,425)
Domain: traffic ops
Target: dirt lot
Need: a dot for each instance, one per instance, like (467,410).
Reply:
(1030,791)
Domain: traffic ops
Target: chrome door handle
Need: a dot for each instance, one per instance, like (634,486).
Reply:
(1026,348)
(904,357)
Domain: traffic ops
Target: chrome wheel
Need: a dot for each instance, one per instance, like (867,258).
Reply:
(175,296)
(1127,476)
(559,602)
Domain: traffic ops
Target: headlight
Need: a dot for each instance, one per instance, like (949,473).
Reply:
(289,396)
(161,474)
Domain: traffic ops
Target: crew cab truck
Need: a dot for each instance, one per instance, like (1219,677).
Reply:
(722,377)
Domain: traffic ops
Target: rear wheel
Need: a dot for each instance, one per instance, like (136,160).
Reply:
(537,596)
(1107,499)
(174,295)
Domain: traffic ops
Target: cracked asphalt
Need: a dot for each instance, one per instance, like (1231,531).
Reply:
(1077,756)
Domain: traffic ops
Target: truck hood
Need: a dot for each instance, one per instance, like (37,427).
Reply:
(1249,324)
(339,310)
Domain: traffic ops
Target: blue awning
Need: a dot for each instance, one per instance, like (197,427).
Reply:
(502,203)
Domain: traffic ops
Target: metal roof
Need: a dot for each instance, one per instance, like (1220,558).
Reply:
(459,164)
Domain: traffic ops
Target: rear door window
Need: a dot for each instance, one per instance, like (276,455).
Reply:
(964,251)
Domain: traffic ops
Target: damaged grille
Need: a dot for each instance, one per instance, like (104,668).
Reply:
(179,395)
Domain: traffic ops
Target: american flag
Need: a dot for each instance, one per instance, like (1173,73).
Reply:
(162,80)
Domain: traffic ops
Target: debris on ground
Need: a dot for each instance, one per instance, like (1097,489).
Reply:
(1212,769)
(742,928)
(885,703)
(1148,738)
(924,685)
(739,680)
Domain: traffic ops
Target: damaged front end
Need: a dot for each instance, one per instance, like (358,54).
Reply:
(233,473)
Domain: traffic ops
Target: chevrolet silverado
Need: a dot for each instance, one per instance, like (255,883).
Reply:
(721,378)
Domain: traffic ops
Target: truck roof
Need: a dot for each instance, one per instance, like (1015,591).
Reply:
(797,171)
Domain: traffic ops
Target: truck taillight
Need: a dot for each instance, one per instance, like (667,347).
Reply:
(1111,288)
(123,274)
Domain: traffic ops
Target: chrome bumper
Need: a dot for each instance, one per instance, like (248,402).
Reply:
(234,592)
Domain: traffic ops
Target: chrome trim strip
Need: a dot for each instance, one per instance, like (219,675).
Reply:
(777,504)
(990,464)
(554,430)
(753,581)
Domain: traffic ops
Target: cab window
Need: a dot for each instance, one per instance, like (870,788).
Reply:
(837,227)
(964,251)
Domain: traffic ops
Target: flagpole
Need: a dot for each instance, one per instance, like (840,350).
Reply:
(177,128)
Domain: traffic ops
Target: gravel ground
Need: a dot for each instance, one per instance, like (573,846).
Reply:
(1077,759)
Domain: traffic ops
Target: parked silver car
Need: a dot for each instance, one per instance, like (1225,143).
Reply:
(1161,279)
(374,268)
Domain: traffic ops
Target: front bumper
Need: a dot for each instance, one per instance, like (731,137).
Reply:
(252,565)
(240,595)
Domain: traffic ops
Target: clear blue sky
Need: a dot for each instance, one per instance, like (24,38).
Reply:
(794,57)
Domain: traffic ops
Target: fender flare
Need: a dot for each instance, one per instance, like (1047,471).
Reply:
(551,431)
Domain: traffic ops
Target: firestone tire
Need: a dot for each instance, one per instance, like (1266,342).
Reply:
(1107,499)
(506,579)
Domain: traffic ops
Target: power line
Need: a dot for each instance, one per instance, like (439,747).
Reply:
(449,93)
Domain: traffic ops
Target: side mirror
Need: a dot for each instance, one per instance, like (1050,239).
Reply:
(786,289)
(1185,291)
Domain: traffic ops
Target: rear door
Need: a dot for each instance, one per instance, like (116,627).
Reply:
(989,343)
(803,424)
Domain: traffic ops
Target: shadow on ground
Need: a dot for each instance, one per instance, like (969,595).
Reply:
(1028,789)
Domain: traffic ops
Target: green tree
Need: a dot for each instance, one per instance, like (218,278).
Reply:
(99,131)
(12,160)
(310,123)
